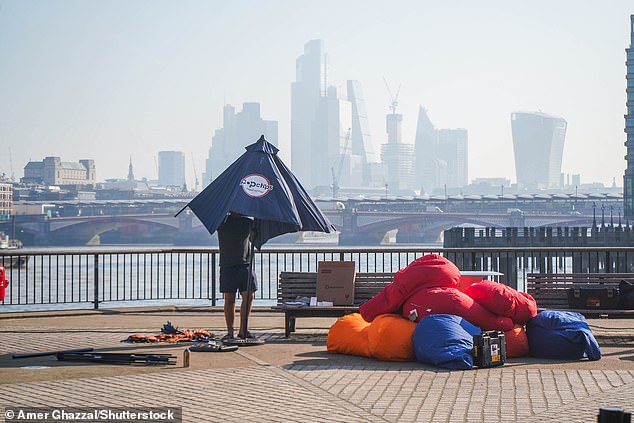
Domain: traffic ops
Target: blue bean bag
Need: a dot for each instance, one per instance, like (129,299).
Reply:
(561,335)
(445,340)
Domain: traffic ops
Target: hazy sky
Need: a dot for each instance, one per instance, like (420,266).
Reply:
(110,80)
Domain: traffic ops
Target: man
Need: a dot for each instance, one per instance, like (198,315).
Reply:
(235,240)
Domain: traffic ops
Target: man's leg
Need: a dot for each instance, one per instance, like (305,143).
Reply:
(230,311)
(245,310)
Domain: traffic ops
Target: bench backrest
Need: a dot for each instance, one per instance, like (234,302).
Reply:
(550,289)
(304,284)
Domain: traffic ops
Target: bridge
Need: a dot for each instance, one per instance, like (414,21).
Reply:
(356,227)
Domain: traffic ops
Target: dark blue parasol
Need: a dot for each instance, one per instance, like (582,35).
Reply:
(258,184)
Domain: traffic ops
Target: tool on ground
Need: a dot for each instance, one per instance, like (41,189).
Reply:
(42,354)
(489,349)
(212,346)
(186,357)
(243,342)
(119,358)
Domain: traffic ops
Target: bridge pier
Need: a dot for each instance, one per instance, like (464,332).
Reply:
(359,238)
(415,234)
(43,235)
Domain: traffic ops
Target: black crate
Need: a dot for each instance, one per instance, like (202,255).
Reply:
(599,298)
(489,349)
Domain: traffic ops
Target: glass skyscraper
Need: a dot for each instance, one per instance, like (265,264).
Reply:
(538,144)
(171,168)
(321,123)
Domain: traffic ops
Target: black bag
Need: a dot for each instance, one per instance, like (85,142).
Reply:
(626,295)
(595,297)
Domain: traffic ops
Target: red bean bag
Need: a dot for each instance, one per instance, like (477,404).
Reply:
(349,335)
(390,338)
(451,301)
(516,342)
(428,271)
(503,300)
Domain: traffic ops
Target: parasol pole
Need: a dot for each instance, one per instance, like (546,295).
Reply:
(244,323)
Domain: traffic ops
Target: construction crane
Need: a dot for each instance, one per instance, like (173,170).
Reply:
(393,99)
(342,155)
(195,174)
(11,165)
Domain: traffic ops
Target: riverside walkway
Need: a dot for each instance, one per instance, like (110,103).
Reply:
(296,379)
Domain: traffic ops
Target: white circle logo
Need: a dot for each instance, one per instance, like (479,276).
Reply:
(256,185)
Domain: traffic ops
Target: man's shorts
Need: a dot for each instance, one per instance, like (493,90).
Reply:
(234,278)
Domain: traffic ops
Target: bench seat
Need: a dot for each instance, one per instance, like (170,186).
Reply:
(550,290)
(293,285)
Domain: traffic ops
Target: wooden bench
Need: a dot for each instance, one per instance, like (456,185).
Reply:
(550,290)
(293,285)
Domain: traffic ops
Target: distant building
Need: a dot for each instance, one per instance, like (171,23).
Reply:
(128,184)
(306,92)
(398,157)
(53,171)
(321,124)
(331,136)
(362,153)
(238,130)
(538,144)
(171,169)
(452,149)
(441,156)
(425,144)
(628,178)
(488,186)
(6,200)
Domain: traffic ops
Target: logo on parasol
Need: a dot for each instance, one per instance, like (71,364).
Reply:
(256,185)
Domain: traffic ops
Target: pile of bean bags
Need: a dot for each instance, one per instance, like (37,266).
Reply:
(423,315)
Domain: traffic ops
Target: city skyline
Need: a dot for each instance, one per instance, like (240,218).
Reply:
(114,80)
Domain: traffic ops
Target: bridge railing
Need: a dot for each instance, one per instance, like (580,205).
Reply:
(99,277)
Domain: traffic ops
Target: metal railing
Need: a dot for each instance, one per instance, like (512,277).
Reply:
(91,277)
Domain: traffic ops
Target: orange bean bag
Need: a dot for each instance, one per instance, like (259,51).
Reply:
(390,338)
(349,335)
(516,342)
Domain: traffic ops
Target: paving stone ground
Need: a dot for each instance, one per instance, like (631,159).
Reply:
(296,380)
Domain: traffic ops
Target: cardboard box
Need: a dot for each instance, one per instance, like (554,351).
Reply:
(335,282)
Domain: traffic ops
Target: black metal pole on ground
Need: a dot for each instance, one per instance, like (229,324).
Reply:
(244,323)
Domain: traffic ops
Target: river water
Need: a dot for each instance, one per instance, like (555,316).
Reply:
(50,280)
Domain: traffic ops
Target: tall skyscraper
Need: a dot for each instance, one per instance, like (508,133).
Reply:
(306,92)
(171,168)
(238,130)
(362,153)
(452,149)
(425,145)
(628,179)
(441,156)
(538,144)
(321,124)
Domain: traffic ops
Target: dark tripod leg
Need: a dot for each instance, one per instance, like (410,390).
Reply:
(246,302)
